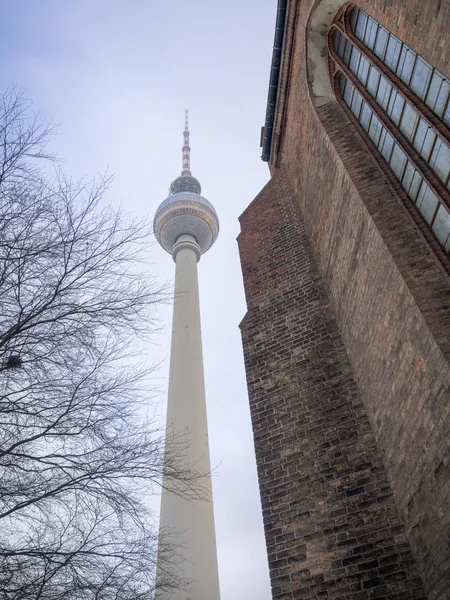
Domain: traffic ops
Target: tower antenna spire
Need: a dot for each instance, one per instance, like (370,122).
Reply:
(186,148)
(186,225)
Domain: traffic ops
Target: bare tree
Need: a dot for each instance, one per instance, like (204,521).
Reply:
(77,461)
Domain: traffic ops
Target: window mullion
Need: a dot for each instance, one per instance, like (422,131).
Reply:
(412,70)
(414,131)
(388,160)
(402,113)
(434,215)
(370,122)
(427,89)
(446,106)
(376,36)
(365,28)
(360,111)
(399,55)
(447,181)
(433,147)
(437,95)
(378,87)
(390,95)
(402,174)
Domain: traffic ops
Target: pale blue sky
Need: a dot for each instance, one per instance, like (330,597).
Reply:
(117,77)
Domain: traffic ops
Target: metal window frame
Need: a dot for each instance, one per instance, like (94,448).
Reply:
(340,70)
(433,181)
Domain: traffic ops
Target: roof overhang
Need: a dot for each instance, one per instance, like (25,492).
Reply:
(281,59)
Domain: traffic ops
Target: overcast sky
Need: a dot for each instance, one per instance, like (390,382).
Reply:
(117,77)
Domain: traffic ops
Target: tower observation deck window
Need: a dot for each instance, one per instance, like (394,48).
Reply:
(401,104)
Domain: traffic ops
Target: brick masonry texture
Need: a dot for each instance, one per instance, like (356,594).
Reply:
(390,298)
(332,527)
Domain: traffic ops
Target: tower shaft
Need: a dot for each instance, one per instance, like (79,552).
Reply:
(189,522)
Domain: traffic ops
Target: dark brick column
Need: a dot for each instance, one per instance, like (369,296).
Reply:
(332,528)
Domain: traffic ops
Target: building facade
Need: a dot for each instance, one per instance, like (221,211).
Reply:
(346,338)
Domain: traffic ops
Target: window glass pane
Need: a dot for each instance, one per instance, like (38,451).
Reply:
(356,104)
(415,185)
(371,32)
(360,24)
(424,81)
(353,18)
(421,77)
(408,177)
(395,107)
(441,226)
(442,98)
(363,70)
(382,138)
(409,121)
(435,88)
(428,144)
(428,84)
(427,202)
(336,39)
(393,52)
(398,161)
(347,52)
(446,118)
(406,64)
(372,81)
(424,140)
(354,60)
(375,129)
(381,42)
(348,92)
(386,146)
(339,43)
(384,93)
(364,119)
(420,134)
(440,160)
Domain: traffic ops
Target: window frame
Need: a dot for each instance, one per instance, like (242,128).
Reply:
(433,186)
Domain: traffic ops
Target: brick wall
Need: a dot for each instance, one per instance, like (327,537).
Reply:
(332,528)
(391,299)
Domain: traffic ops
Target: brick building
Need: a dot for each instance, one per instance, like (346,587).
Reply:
(346,271)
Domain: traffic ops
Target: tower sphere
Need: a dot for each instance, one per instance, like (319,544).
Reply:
(186,213)
(185,183)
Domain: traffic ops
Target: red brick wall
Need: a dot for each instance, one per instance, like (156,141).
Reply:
(391,299)
(332,528)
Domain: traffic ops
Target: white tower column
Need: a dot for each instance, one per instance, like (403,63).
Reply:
(186,225)
(189,522)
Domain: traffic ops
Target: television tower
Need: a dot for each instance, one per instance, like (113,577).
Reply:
(186,226)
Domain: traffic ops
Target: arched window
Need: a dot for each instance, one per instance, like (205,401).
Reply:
(401,103)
